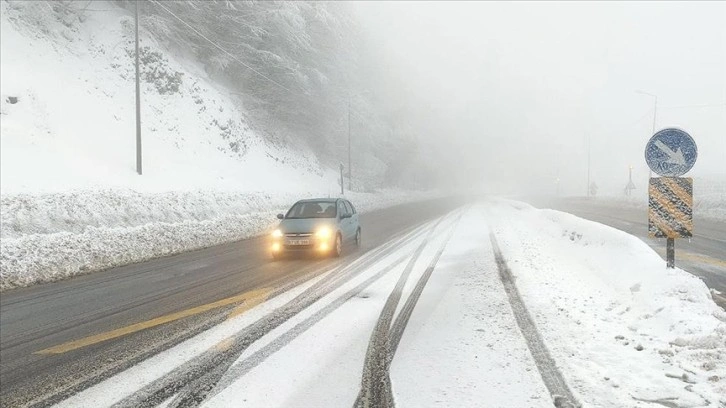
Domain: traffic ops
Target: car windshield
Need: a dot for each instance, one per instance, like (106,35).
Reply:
(313,209)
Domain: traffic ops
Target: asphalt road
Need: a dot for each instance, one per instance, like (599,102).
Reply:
(704,255)
(58,338)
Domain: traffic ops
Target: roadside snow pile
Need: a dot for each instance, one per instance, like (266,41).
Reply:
(623,328)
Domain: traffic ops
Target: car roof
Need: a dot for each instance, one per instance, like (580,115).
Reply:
(324,200)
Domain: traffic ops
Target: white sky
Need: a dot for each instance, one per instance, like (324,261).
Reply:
(516,87)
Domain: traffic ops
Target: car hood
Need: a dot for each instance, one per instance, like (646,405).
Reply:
(304,225)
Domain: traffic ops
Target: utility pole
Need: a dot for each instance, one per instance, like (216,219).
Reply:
(350,165)
(341,179)
(138,91)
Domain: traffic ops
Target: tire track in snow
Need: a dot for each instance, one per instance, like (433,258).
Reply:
(551,376)
(240,369)
(399,325)
(213,363)
(376,391)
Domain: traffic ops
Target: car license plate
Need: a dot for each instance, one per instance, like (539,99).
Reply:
(298,242)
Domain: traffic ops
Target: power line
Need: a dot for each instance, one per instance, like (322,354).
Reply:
(220,48)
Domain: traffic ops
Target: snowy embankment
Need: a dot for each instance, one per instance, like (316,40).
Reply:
(71,199)
(622,331)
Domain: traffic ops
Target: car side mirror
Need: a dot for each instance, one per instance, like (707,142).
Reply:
(280,216)
(344,216)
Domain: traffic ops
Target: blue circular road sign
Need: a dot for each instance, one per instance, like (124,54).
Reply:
(671,152)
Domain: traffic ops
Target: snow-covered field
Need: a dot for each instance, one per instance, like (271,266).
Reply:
(71,201)
(621,329)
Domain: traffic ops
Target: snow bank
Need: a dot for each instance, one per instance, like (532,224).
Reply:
(624,328)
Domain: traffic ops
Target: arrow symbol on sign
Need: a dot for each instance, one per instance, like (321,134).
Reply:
(675,157)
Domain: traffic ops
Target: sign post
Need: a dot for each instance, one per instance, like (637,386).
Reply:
(670,153)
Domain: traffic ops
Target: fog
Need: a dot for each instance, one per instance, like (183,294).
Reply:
(514,91)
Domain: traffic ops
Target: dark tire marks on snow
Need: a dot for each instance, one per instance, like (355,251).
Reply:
(376,391)
(240,369)
(195,378)
(551,376)
(399,325)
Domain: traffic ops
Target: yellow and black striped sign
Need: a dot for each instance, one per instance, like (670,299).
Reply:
(670,207)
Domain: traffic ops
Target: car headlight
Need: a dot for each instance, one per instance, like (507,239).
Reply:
(324,233)
(277,233)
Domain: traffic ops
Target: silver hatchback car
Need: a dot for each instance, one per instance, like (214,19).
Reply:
(323,226)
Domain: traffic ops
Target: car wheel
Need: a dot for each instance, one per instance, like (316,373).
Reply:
(338,249)
(357,238)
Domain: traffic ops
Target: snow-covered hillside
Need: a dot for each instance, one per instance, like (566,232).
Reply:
(68,114)
(71,199)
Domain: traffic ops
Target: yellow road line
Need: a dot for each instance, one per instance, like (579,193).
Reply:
(250,299)
(225,344)
(249,303)
(702,258)
(690,256)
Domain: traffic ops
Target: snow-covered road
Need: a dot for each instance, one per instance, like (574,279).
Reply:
(459,312)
